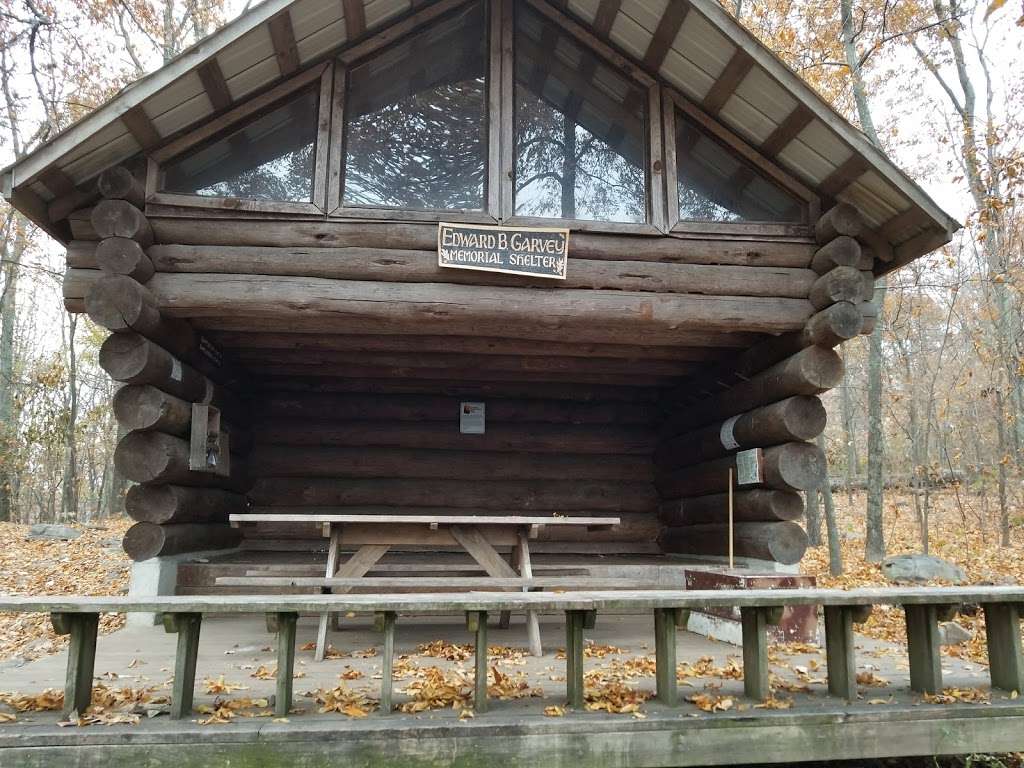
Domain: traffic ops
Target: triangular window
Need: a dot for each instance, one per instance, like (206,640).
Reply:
(269,159)
(715,184)
(416,120)
(580,129)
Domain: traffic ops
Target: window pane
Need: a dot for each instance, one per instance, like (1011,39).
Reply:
(580,129)
(270,158)
(416,120)
(716,185)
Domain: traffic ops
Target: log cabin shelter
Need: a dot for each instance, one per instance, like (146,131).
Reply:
(258,224)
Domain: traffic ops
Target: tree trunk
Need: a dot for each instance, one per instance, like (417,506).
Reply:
(8,415)
(874,542)
(814,517)
(69,497)
(835,553)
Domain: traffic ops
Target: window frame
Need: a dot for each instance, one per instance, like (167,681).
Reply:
(672,100)
(328,170)
(345,60)
(223,125)
(656,221)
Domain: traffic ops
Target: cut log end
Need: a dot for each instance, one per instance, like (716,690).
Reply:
(146,540)
(782,542)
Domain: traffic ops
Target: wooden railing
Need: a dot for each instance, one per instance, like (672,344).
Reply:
(924,608)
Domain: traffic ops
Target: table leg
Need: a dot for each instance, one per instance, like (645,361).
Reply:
(522,551)
(332,567)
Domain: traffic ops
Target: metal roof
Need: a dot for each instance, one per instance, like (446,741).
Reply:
(692,45)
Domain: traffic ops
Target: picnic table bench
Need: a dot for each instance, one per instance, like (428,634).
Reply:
(923,608)
(375,535)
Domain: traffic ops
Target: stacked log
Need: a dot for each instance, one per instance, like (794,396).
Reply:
(165,370)
(766,399)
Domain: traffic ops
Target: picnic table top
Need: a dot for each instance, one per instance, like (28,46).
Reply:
(271,517)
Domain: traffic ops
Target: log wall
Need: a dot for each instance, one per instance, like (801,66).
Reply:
(765,397)
(404,454)
(338,353)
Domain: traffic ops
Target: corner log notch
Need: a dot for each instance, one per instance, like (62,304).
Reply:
(166,368)
(764,398)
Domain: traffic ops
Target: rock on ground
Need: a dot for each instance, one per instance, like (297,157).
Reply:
(922,568)
(951,633)
(52,531)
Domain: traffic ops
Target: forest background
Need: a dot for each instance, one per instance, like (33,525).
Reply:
(934,398)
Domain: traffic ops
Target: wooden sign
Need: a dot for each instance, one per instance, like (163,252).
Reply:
(529,251)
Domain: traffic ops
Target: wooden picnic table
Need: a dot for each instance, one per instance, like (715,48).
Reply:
(477,535)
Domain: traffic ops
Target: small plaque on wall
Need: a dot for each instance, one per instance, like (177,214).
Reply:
(749,467)
(531,251)
(472,420)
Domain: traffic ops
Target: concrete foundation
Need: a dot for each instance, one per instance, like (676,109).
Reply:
(159,576)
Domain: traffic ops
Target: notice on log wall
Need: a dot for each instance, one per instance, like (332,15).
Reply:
(513,250)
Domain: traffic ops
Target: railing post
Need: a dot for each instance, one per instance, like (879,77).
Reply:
(1005,658)
(839,648)
(387,622)
(575,621)
(284,624)
(476,622)
(81,657)
(923,645)
(187,626)
(755,621)
(665,655)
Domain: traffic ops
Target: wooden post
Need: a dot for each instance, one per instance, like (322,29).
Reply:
(842,666)
(388,662)
(732,563)
(923,646)
(665,655)
(755,651)
(285,624)
(1005,658)
(81,657)
(187,626)
(476,622)
(574,621)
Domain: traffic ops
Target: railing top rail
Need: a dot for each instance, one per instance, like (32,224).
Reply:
(496,601)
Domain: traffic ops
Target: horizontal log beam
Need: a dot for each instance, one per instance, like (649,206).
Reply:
(794,419)
(282,493)
(841,284)
(810,371)
(291,461)
(180,504)
(118,183)
(312,343)
(403,236)
(158,458)
(133,359)
(787,467)
(146,540)
(782,542)
(118,303)
(420,266)
(838,221)
(826,328)
(144,407)
(499,437)
(531,364)
(343,370)
(121,256)
(570,314)
(748,506)
(119,218)
(320,325)
(468,390)
(429,408)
